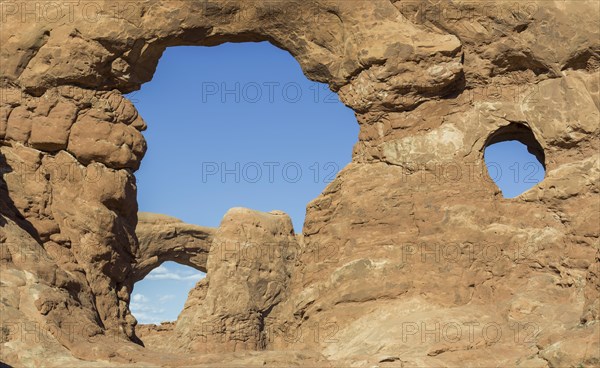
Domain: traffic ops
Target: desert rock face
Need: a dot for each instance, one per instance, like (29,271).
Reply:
(411,257)
(162,238)
(248,274)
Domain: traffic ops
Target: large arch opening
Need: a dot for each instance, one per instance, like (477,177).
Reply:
(233,125)
(238,125)
(515,160)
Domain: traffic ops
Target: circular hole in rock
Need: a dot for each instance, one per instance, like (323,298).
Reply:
(515,159)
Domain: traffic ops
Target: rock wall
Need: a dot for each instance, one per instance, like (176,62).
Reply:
(248,277)
(410,245)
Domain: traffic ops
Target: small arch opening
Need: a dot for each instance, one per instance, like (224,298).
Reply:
(161,295)
(515,160)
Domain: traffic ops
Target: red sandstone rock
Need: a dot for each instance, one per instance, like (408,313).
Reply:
(401,261)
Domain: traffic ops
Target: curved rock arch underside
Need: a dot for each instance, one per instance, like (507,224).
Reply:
(411,256)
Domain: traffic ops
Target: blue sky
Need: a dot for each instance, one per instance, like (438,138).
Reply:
(512,167)
(228,126)
(240,125)
(160,296)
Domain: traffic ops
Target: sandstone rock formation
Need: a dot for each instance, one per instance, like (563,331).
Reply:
(248,276)
(162,238)
(411,257)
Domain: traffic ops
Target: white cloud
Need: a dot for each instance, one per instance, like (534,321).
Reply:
(158,301)
(139,298)
(162,273)
(164,298)
(146,310)
(146,318)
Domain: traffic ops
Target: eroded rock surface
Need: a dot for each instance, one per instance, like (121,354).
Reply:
(163,238)
(411,257)
(248,276)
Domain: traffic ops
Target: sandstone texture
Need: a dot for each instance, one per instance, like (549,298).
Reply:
(411,257)
(162,238)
